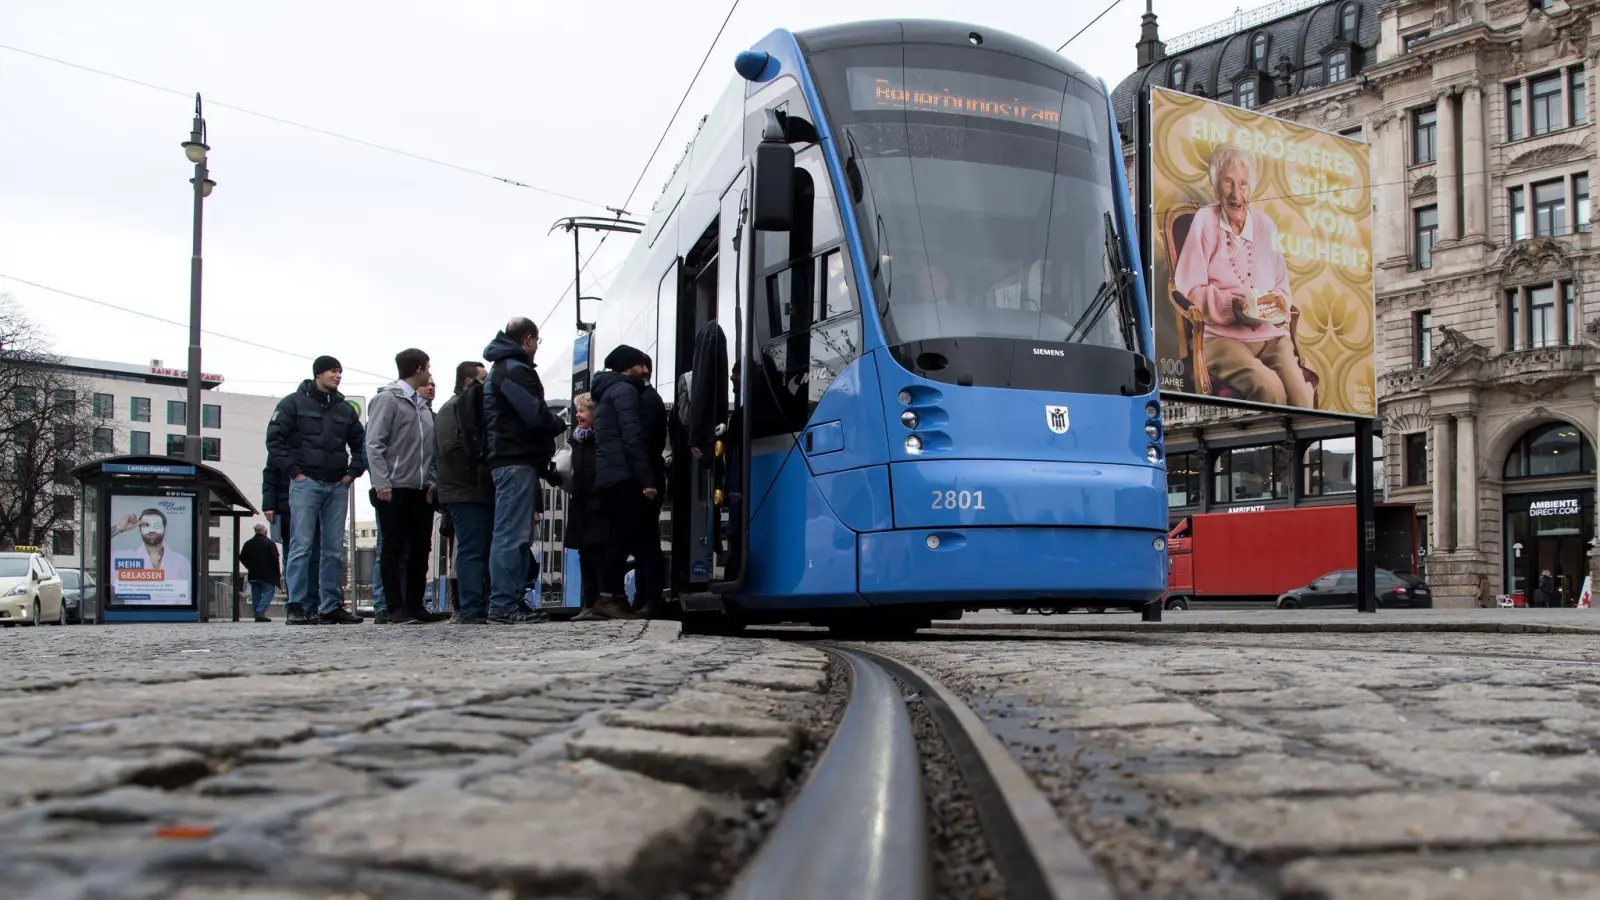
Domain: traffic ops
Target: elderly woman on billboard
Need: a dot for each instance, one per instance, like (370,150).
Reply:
(1231,270)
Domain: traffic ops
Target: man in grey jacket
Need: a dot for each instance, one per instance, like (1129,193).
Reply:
(399,456)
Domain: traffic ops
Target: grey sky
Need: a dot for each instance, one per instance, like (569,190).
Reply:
(316,245)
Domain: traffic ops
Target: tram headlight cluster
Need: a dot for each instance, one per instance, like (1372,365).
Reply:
(909,419)
(1152,430)
(913,444)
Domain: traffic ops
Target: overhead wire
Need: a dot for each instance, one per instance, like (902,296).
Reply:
(1114,4)
(312,128)
(646,169)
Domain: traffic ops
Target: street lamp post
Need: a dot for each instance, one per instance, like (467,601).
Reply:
(195,149)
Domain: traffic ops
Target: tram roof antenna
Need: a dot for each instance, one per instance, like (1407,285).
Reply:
(575,225)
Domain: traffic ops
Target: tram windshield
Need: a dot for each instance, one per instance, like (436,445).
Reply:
(982,184)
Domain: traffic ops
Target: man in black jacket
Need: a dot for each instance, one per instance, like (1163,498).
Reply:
(519,441)
(466,491)
(259,556)
(317,439)
(630,433)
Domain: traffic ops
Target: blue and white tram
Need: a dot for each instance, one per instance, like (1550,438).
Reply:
(916,240)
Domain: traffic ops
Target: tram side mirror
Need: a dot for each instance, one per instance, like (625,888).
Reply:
(774,179)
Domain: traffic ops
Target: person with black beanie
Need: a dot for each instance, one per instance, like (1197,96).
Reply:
(315,438)
(630,434)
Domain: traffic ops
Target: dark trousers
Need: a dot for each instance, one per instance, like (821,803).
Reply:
(632,520)
(590,562)
(407,525)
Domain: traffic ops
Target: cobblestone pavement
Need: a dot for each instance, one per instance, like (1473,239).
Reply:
(1338,767)
(228,760)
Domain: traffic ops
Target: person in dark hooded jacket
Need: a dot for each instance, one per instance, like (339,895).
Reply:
(630,432)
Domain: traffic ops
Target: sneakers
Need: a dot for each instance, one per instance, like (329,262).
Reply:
(380,619)
(612,608)
(300,617)
(340,617)
(521,615)
(588,615)
(401,617)
(262,619)
(459,619)
(429,616)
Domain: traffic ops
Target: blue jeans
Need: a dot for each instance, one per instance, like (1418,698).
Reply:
(379,605)
(474,526)
(261,593)
(312,503)
(514,487)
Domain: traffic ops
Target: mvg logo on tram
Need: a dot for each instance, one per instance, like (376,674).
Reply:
(134,570)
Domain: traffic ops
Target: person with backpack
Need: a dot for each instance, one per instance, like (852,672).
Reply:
(466,491)
(518,433)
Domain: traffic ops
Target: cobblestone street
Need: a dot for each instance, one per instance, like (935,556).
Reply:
(1337,766)
(622,760)
(185,761)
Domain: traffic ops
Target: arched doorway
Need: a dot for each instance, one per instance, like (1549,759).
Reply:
(1549,508)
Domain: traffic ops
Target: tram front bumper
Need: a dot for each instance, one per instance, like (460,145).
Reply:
(971,565)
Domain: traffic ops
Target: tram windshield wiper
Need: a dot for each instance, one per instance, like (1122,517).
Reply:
(1114,288)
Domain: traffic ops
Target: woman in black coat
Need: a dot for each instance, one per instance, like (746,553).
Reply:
(586,529)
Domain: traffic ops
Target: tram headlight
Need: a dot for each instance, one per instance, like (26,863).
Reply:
(1151,431)
(933,542)
(909,419)
(913,444)
(1159,544)
(1153,455)
(905,397)
(1151,410)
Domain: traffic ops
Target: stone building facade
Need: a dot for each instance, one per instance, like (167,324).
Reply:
(1481,126)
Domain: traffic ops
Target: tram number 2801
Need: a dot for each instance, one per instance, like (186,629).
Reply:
(958,500)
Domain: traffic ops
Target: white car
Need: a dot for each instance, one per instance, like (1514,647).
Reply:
(30,590)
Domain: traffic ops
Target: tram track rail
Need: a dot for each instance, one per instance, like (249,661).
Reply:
(859,825)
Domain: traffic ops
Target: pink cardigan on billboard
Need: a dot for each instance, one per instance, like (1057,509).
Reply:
(1211,266)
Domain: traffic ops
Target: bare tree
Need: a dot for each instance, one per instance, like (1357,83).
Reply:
(47,427)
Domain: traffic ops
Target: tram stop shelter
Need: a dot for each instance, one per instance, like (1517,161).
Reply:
(144,524)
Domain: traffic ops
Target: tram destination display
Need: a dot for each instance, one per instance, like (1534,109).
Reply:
(1262,264)
(152,540)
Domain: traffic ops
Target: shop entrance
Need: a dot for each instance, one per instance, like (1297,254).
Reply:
(1548,532)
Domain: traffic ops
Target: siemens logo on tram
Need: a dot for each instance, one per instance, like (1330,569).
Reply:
(1048,351)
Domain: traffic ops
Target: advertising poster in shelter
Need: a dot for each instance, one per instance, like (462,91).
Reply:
(152,549)
(1262,265)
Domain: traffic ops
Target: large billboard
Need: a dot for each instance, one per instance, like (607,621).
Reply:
(1262,259)
(152,550)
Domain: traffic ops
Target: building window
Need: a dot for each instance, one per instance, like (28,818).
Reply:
(64,505)
(1338,66)
(1251,473)
(1544,100)
(211,449)
(1183,479)
(25,398)
(210,415)
(1427,234)
(1244,96)
(1519,214)
(105,406)
(213,548)
(104,442)
(176,412)
(1347,22)
(1513,320)
(1550,208)
(64,399)
(139,409)
(1330,467)
(1424,136)
(1258,53)
(139,443)
(1410,41)
(1175,77)
(1423,327)
(1578,94)
(175,445)
(1580,202)
(1549,451)
(1415,463)
(1354,132)
(1542,316)
(1514,120)
(1570,312)
(65,437)
(63,542)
